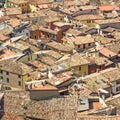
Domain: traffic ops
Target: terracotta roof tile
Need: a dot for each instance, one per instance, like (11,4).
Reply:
(39,2)
(46,87)
(7,53)
(107,53)
(17,11)
(108,7)
(18,1)
(9,116)
(14,22)
(15,67)
(83,40)
(3,38)
(89,17)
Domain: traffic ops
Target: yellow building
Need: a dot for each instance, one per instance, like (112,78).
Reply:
(15,74)
(79,64)
(32,7)
(23,4)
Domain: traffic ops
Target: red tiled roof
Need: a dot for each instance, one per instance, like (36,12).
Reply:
(3,38)
(108,7)
(4,18)
(7,53)
(38,2)
(9,116)
(45,87)
(107,53)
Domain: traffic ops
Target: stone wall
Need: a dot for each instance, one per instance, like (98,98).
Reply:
(62,108)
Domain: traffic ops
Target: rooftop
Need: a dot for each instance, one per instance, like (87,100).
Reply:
(54,32)
(60,78)
(17,11)
(39,2)
(61,24)
(9,116)
(54,54)
(18,46)
(103,40)
(60,47)
(6,53)
(44,87)
(18,1)
(12,66)
(108,7)
(52,19)
(89,17)
(3,38)
(107,53)
(77,60)
(88,7)
(47,60)
(83,40)
(6,31)
(39,65)
(107,21)
(14,22)
(72,32)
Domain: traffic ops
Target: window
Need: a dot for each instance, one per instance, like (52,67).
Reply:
(82,102)
(27,34)
(118,89)
(79,67)
(118,82)
(89,44)
(1,77)
(19,83)
(78,46)
(48,35)
(28,58)
(84,73)
(7,73)
(88,21)
(19,76)
(1,71)
(83,45)
(8,80)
